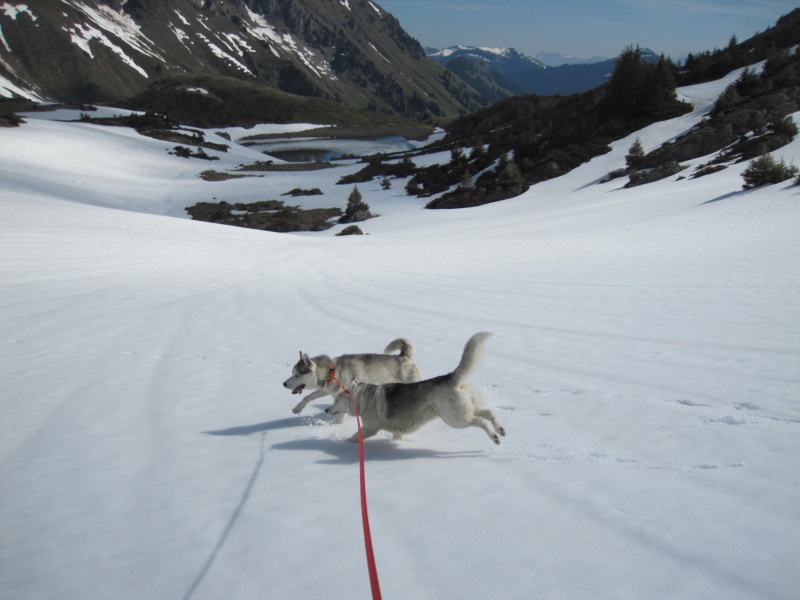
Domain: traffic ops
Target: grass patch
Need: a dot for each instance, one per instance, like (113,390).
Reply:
(212,175)
(233,102)
(167,135)
(266,215)
(271,166)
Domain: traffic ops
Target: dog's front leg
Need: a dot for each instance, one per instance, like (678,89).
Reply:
(312,396)
(365,433)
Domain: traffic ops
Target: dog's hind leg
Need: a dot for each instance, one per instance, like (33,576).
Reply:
(479,422)
(469,418)
(485,413)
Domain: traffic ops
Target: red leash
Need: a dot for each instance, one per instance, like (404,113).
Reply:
(373,570)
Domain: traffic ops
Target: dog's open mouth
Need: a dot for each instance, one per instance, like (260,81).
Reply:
(299,389)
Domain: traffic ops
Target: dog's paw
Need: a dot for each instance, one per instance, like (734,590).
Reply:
(353,439)
(501,431)
(496,439)
(297,410)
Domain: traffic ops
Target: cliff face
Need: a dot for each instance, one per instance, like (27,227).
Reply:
(346,50)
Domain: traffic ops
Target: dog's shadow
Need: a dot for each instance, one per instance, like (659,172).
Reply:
(340,451)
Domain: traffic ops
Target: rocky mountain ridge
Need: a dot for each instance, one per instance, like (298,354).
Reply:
(351,51)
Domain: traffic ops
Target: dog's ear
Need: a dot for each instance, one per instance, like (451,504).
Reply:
(305,358)
(353,384)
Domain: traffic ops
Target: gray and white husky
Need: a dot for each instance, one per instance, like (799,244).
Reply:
(401,408)
(316,373)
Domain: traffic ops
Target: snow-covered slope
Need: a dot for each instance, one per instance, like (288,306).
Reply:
(644,363)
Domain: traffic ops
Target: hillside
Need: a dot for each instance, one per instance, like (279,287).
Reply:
(353,53)
(643,362)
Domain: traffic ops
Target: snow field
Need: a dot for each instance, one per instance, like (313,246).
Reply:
(644,363)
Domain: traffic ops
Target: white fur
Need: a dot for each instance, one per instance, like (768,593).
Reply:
(314,372)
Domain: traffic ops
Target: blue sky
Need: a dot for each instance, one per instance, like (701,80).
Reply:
(586,28)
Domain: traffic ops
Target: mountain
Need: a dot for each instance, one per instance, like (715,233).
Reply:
(103,51)
(510,67)
(490,83)
(555,59)
(531,76)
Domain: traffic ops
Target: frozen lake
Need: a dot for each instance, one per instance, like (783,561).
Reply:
(326,149)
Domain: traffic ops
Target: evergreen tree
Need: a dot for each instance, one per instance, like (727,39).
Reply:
(357,209)
(627,84)
(466,181)
(660,95)
(639,89)
(766,170)
(635,157)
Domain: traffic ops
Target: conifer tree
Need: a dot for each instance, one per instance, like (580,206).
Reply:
(627,83)
(635,157)
(357,209)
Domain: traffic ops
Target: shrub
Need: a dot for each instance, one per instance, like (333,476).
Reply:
(649,176)
(708,170)
(766,170)
(351,230)
(727,99)
(785,127)
(302,192)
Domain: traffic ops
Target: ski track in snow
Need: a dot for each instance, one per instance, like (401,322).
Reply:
(644,364)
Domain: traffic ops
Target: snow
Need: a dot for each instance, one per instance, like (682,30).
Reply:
(13,11)
(220,53)
(644,363)
(11,90)
(117,23)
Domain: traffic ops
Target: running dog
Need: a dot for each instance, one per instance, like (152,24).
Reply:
(401,408)
(323,374)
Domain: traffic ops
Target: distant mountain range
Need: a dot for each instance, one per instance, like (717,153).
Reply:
(516,72)
(554,59)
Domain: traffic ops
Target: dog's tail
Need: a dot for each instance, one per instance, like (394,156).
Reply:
(473,353)
(401,344)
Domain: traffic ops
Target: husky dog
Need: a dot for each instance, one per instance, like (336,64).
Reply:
(321,372)
(401,408)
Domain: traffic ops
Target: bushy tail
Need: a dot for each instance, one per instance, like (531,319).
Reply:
(401,344)
(473,353)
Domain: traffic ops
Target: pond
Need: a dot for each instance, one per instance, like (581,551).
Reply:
(327,149)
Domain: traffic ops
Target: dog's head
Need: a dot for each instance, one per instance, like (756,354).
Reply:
(302,374)
(344,401)
(342,405)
